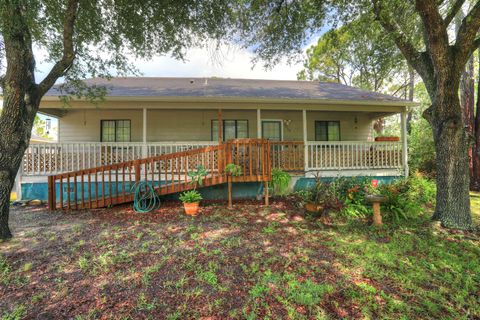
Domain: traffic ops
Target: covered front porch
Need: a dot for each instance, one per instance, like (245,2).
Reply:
(330,158)
(359,155)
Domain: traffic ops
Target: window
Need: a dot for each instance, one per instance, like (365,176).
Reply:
(115,130)
(232,129)
(272,130)
(327,130)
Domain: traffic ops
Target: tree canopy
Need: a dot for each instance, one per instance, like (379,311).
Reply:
(96,38)
(358,53)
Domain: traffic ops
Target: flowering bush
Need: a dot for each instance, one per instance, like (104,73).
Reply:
(405,198)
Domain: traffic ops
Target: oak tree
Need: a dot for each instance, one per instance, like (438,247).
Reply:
(83,38)
(439,58)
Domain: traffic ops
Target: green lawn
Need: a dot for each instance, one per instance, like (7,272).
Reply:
(475,203)
(247,263)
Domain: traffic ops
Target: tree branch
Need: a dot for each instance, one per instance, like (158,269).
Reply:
(402,42)
(437,42)
(466,41)
(68,55)
(453,11)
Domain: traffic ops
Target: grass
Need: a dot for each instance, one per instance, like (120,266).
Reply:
(247,263)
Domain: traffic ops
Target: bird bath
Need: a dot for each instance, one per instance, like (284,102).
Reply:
(375,200)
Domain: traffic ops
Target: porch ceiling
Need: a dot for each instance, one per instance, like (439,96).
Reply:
(48,105)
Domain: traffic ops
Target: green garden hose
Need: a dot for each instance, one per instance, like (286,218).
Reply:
(145,198)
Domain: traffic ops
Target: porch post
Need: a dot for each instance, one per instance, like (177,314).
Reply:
(305,139)
(259,124)
(18,181)
(220,126)
(403,122)
(144,140)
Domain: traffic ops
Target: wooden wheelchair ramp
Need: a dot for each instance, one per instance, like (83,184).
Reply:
(112,184)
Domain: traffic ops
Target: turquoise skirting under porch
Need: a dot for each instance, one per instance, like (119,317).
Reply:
(245,190)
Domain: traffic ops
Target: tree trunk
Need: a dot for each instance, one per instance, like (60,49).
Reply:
(21,93)
(451,145)
(476,145)
(6,184)
(16,122)
(467,99)
(20,106)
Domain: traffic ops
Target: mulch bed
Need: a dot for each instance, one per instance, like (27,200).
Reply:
(114,263)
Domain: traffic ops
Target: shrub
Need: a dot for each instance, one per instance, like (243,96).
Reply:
(190,196)
(407,198)
(421,151)
(352,192)
(280,181)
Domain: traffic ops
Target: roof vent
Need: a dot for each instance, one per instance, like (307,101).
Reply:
(192,81)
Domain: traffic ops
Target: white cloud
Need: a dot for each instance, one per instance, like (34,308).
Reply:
(228,62)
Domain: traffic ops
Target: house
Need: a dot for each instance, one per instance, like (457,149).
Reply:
(311,126)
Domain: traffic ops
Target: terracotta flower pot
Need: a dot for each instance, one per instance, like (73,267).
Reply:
(387,139)
(313,207)
(191,208)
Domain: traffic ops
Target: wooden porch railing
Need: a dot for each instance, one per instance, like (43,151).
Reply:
(288,155)
(110,185)
(51,158)
(354,155)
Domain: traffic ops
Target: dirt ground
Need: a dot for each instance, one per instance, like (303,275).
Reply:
(248,262)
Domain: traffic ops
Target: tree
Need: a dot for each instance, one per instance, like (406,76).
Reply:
(438,58)
(84,38)
(476,144)
(358,53)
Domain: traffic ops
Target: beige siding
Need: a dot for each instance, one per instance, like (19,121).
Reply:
(195,125)
(84,125)
(185,125)
(349,130)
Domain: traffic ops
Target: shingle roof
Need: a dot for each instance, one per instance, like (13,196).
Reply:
(226,87)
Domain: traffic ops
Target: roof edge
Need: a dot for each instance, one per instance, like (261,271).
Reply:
(401,103)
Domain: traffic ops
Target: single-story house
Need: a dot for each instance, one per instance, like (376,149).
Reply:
(313,127)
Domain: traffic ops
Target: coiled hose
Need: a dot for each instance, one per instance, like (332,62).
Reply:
(145,198)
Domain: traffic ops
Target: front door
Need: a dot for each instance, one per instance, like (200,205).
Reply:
(272,130)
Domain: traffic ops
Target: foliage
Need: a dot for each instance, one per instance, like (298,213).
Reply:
(190,196)
(197,176)
(352,192)
(120,30)
(359,53)
(406,198)
(280,181)
(324,194)
(39,127)
(233,170)
(421,147)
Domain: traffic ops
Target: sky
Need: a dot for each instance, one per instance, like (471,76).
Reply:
(228,62)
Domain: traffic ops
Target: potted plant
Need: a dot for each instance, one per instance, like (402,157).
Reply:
(387,138)
(232,170)
(191,199)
